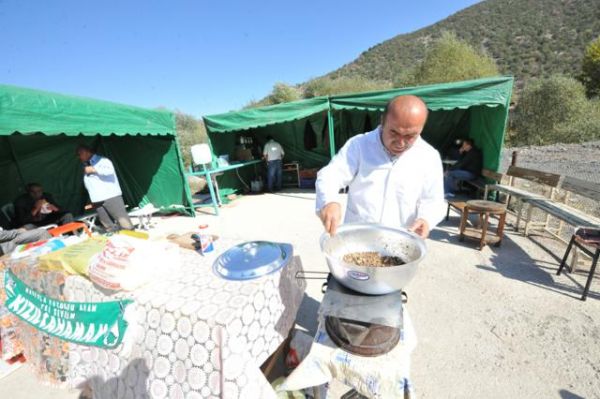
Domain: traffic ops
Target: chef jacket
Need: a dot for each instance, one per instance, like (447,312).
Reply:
(382,188)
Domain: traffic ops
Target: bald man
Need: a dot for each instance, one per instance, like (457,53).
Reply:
(393,176)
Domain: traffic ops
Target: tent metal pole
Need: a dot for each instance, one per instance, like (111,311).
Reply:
(186,184)
(330,128)
(14,156)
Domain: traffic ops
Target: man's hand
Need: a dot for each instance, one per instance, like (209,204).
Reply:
(331,215)
(420,227)
(89,170)
(52,207)
(37,207)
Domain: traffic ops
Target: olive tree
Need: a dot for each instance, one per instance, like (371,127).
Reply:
(590,68)
(450,59)
(553,110)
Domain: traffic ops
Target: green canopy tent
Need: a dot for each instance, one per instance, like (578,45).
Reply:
(39,132)
(311,131)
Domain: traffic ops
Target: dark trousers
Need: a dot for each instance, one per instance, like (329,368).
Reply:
(112,214)
(453,177)
(274,174)
(9,239)
(59,218)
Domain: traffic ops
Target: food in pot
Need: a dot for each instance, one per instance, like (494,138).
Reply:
(372,259)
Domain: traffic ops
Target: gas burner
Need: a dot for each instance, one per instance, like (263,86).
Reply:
(360,338)
(364,325)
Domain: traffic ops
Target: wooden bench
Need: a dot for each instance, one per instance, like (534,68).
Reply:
(479,184)
(562,211)
(551,180)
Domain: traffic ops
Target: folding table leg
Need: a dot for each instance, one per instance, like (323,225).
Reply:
(591,276)
(564,259)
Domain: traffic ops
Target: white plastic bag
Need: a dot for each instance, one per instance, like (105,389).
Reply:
(127,263)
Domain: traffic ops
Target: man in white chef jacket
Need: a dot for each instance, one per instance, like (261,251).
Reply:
(394,177)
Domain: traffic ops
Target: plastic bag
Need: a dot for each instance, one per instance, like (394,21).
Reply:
(370,376)
(74,259)
(127,263)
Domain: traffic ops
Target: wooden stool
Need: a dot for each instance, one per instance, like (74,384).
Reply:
(484,209)
(458,204)
(584,237)
(68,228)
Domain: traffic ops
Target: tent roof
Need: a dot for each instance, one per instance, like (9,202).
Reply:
(489,92)
(29,111)
(252,118)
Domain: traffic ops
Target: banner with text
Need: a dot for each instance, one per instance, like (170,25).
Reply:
(86,323)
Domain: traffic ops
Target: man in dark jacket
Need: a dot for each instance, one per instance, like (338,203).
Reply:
(36,208)
(468,167)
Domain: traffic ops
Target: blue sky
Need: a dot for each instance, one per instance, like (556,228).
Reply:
(198,57)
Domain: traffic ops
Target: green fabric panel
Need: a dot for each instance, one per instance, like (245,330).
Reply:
(52,162)
(490,126)
(491,92)
(444,127)
(10,178)
(29,111)
(264,116)
(151,173)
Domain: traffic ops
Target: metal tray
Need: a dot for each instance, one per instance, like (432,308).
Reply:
(252,260)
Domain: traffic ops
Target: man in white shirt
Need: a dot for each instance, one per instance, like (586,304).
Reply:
(273,153)
(100,180)
(394,177)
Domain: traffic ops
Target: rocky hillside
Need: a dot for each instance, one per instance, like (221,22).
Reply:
(527,38)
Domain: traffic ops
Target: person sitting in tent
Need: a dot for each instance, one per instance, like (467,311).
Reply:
(9,239)
(100,180)
(468,167)
(37,208)
(273,153)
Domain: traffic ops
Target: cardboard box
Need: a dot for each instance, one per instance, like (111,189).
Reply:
(243,154)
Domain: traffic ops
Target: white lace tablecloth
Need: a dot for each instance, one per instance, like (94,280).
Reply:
(194,335)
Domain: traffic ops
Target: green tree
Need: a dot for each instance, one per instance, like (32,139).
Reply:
(190,131)
(590,68)
(450,59)
(327,86)
(555,110)
(283,93)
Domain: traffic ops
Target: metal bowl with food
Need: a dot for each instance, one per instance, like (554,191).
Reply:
(353,240)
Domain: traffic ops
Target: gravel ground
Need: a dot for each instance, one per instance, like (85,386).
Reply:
(576,160)
(495,323)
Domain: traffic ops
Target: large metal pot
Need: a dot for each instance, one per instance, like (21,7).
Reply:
(364,237)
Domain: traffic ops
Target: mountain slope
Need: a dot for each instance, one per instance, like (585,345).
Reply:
(527,38)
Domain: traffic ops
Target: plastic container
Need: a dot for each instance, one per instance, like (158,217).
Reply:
(204,241)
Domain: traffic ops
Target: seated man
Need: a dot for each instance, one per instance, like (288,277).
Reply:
(9,239)
(468,167)
(36,208)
